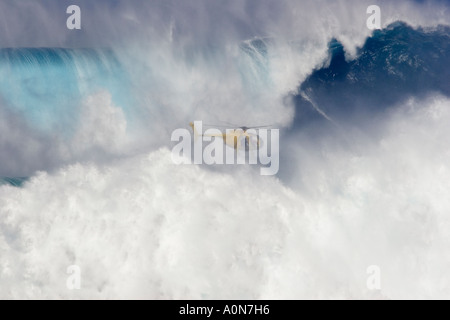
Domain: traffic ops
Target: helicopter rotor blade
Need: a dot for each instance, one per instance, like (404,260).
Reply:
(215,125)
(256,127)
(235,126)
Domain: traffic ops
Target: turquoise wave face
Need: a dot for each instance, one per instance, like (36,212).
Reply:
(46,86)
(15,182)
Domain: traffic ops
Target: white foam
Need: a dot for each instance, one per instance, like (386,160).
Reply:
(146,228)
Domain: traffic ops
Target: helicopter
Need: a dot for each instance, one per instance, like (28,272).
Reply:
(235,140)
(243,137)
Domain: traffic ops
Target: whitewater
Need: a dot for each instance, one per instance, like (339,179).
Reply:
(87,177)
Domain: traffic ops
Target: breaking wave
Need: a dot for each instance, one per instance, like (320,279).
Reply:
(364,174)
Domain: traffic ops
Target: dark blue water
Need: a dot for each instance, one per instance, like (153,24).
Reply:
(394,64)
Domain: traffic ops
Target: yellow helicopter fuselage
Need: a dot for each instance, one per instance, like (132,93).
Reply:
(232,138)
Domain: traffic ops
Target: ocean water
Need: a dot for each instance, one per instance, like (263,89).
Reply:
(16,182)
(87,178)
